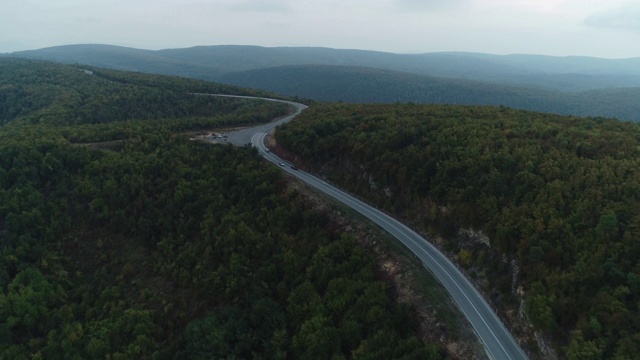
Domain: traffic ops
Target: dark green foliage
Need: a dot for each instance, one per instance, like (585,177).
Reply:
(50,94)
(190,237)
(174,249)
(561,195)
(258,332)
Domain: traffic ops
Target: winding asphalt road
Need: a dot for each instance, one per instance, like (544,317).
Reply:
(243,137)
(498,342)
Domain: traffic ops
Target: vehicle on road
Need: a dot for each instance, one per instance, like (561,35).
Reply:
(281,164)
(294,167)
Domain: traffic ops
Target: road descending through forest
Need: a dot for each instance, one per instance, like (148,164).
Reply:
(498,342)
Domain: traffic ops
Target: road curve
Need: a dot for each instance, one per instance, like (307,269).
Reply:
(498,342)
(243,137)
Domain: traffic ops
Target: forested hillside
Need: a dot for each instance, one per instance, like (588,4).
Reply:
(41,92)
(368,85)
(118,58)
(578,86)
(558,198)
(571,73)
(166,248)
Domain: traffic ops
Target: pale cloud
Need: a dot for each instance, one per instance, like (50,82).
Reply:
(546,6)
(428,5)
(579,8)
(258,6)
(624,18)
(552,27)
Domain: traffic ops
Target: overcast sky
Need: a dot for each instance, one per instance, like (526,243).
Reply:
(602,28)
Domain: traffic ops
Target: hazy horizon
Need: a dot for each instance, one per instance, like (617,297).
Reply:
(326,47)
(594,28)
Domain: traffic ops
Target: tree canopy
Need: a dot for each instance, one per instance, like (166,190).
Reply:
(559,195)
(165,248)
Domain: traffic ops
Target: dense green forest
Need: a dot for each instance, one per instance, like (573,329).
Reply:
(165,248)
(98,101)
(559,195)
(369,85)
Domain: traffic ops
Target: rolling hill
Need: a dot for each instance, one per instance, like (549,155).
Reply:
(367,85)
(542,210)
(153,246)
(208,62)
(580,86)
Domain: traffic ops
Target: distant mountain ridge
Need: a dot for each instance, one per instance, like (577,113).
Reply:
(566,85)
(370,85)
(209,62)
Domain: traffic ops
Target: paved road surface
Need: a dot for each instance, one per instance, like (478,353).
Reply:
(499,343)
(243,137)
